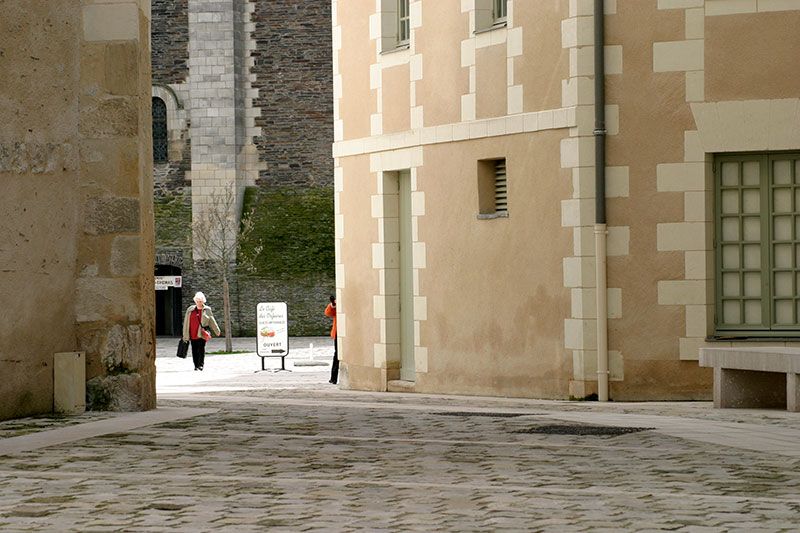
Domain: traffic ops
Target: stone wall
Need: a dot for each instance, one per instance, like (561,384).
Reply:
(280,101)
(294,78)
(172,193)
(76,169)
(114,306)
(306,298)
(306,293)
(170,40)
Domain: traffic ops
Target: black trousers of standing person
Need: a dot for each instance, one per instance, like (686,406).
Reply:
(335,366)
(198,353)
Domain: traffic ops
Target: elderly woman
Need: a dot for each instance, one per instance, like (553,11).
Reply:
(198,318)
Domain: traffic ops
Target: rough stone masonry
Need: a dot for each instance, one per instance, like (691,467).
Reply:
(76,199)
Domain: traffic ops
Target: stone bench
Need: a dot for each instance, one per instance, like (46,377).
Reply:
(757,377)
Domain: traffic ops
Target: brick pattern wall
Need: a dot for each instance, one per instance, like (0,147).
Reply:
(294,77)
(169,55)
(170,40)
(169,179)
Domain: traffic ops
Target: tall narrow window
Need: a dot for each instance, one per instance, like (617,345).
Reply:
(160,145)
(757,241)
(499,11)
(402,22)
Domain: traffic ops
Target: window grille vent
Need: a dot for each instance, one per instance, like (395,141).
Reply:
(500,187)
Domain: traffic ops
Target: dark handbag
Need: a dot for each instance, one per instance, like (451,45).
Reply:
(206,334)
(183,348)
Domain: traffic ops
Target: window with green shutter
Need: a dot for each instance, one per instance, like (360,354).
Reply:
(757,244)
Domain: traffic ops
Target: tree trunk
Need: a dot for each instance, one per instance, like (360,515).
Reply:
(226,305)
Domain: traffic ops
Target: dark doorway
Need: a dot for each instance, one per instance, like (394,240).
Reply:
(168,304)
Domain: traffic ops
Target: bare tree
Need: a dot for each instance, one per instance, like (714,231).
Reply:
(216,237)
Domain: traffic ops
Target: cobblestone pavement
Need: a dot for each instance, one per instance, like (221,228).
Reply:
(289,452)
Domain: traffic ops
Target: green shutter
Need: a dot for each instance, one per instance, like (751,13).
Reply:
(784,203)
(739,252)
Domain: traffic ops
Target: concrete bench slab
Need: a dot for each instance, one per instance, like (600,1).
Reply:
(760,377)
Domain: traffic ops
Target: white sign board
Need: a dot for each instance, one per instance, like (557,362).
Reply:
(165,282)
(272,329)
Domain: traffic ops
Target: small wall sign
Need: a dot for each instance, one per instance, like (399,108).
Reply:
(165,282)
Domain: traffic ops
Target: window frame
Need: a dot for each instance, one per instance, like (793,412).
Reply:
(403,23)
(499,12)
(768,327)
(395,22)
(490,15)
(160,148)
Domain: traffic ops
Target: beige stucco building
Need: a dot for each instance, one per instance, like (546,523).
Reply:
(467,253)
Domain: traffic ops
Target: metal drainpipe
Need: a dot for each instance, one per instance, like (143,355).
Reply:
(600,230)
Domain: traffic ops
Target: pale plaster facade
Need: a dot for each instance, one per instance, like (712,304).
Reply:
(506,305)
(76,184)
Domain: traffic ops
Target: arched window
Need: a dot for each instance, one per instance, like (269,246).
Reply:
(160,150)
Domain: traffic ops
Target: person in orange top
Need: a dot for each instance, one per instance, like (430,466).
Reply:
(331,312)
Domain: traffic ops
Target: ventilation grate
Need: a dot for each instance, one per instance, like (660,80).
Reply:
(500,187)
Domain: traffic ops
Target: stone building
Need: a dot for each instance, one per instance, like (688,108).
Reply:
(475,254)
(242,103)
(76,201)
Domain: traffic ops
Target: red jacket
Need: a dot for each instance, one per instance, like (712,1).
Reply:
(331,311)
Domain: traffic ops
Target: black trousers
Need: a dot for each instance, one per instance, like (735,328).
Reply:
(198,352)
(335,366)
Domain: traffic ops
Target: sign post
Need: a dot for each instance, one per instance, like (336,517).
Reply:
(272,332)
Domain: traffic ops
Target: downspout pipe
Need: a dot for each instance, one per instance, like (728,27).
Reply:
(600,230)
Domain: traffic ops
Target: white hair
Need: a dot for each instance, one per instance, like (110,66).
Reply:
(201,296)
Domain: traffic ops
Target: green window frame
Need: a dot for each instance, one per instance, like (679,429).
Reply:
(499,11)
(757,245)
(403,33)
